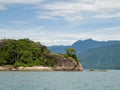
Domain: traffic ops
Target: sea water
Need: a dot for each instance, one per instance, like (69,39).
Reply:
(85,80)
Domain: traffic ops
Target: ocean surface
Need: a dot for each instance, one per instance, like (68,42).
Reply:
(85,80)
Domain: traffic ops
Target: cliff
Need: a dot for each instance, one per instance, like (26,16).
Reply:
(62,63)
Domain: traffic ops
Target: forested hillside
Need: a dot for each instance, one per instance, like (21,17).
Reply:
(23,52)
(101,58)
(26,53)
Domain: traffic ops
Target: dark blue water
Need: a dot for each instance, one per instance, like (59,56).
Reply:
(109,80)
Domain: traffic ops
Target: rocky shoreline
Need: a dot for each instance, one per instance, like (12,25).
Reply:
(38,68)
(34,68)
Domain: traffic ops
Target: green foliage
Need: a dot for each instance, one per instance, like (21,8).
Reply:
(18,64)
(23,52)
(101,58)
(3,58)
(71,52)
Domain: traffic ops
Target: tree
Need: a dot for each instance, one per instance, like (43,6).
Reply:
(71,52)
(22,52)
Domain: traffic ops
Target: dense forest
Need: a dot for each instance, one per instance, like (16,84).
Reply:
(24,52)
(101,58)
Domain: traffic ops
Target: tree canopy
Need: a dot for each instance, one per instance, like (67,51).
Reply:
(71,52)
(22,52)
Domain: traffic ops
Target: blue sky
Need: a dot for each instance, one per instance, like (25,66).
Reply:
(60,22)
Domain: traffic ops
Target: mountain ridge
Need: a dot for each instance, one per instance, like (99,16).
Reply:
(83,45)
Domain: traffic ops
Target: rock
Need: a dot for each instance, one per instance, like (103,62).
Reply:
(6,68)
(34,68)
(64,64)
(37,68)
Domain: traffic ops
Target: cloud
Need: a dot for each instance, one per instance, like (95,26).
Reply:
(70,10)
(107,16)
(61,38)
(5,3)
(111,33)
(108,4)
(19,1)
(78,10)
(42,35)
(2,7)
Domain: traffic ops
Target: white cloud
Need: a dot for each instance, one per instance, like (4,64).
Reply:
(108,4)
(2,7)
(111,33)
(70,10)
(61,38)
(5,3)
(108,30)
(42,35)
(46,17)
(78,10)
(107,16)
(19,1)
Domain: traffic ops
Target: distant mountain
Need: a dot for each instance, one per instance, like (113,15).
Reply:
(107,57)
(58,49)
(84,45)
(95,54)
(81,46)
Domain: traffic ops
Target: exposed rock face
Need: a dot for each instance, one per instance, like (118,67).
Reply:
(64,64)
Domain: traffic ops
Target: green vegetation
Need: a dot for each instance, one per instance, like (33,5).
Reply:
(95,54)
(71,52)
(101,58)
(24,52)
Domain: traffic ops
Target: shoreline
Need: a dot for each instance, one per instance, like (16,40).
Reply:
(35,68)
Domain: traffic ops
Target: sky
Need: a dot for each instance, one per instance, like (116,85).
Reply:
(60,22)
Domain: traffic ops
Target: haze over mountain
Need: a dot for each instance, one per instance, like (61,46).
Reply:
(95,54)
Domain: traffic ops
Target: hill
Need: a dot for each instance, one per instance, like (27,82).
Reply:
(27,53)
(85,45)
(58,49)
(101,58)
(82,46)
